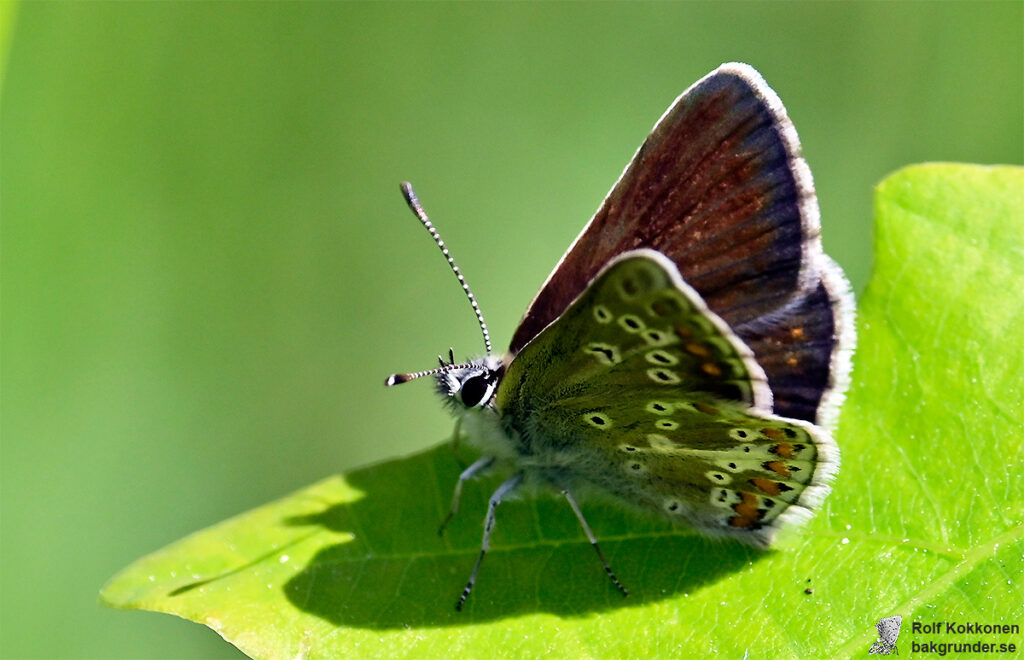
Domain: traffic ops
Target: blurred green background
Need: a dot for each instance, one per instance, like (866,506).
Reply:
(208,269)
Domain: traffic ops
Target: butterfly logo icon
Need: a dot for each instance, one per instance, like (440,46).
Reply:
(888,632)
(688,354)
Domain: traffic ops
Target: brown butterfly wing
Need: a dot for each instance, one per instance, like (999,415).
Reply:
(719,187)
(805,349)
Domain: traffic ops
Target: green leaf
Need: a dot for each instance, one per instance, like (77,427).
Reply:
(8,13)
(924,520)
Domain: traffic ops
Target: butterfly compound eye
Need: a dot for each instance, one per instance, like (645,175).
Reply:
(473,391)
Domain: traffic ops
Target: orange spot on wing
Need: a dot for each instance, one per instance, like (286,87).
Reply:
(746,507)
(774,434)
(711,369)
(746,510)
(792,361)
(700,350)
(741,522)
(783,449)
(684,331)
(778,467)
(766,486)
(797,333)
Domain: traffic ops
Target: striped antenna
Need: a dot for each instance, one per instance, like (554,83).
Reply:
(398,379)
(414,204)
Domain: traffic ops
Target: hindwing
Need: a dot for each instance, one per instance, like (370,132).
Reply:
(642,392)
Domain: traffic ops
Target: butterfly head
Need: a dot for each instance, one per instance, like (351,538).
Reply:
(466,385)
(471,385)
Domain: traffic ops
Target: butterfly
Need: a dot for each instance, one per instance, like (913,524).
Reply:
(888,633)
(688,354)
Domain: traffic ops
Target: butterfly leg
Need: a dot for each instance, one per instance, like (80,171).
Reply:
(503,490)
(593,541)
(467,474)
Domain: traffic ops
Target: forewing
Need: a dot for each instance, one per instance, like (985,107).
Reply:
(889,629)
(719,187)
(640,391)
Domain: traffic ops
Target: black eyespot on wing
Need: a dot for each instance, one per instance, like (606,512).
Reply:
(473,391)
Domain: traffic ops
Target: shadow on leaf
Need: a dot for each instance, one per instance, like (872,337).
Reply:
(398,572)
